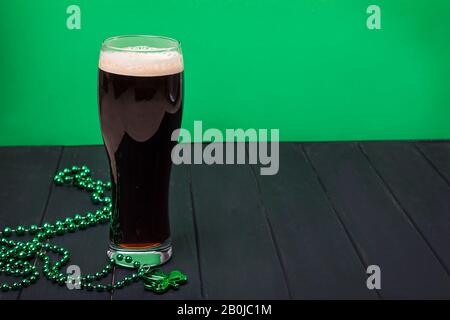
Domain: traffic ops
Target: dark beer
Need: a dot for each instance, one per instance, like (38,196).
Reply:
(140,104)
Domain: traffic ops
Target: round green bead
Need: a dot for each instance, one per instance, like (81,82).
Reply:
(104,219)
(77,218)
(7,231)
(60,230)
(16,286)
(40,236)
(128,259)
(25,283)
(119,257)
(22,255)
(135,277)
(5,287)
(33,229)
(136,264)
(49,233)
(71,227)
(20,230)
(127,280)
(95,198)
(83,225)
(47,226)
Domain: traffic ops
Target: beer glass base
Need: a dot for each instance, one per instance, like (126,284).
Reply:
(153,257)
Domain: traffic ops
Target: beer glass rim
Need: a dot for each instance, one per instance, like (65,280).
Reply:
(173,44)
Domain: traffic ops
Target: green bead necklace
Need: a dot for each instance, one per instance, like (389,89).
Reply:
(16,257)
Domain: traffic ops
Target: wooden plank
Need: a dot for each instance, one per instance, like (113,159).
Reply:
(317,255)
(184,246)
(87,248)
(26,175)
(420,190)
(238,258)
(438,154)
(379,227)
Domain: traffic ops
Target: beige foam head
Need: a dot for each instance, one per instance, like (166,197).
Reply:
(141,62)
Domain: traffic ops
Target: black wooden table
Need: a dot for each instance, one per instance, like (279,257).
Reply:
(308,232)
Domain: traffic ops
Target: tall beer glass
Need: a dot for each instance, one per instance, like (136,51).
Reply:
(140,93)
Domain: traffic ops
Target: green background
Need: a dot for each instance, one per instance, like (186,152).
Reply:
(310,68)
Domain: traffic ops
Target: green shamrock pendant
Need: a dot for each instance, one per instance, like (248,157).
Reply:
(157,281)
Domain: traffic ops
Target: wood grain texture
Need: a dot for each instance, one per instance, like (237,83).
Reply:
(419,189)
(382,232)
(238,257)
(438,155)
(317,255)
